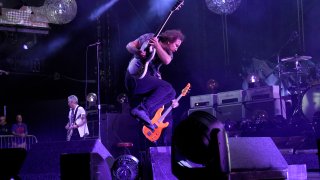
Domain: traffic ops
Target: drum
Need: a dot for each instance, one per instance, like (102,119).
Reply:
(314,75)
(296,73)
(311,103)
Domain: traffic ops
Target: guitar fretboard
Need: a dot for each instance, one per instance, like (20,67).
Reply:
(164,115)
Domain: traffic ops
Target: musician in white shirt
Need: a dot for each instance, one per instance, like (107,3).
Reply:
(77,117)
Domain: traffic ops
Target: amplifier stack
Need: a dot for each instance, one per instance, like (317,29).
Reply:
(241,105)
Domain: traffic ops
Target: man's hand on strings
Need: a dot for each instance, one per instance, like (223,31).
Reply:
(154,42)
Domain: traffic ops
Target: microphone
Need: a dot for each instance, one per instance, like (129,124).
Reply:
(97,43)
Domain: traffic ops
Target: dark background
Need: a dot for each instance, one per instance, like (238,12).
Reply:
(256,29)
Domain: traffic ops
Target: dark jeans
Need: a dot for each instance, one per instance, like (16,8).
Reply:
(150,92)
(76,136)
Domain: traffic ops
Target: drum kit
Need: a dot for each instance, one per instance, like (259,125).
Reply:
(300,77)
(299,81)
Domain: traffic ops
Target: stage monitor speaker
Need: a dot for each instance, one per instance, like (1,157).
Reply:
(11,161)
(160,159)
(256,157)
(250,158)
(84,166)
(43,159)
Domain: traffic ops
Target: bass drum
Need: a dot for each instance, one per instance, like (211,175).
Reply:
(311,103)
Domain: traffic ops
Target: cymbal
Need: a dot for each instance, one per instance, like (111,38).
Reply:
(294,73)
(296,58)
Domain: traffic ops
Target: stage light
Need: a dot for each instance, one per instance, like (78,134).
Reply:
(30,44)
(25,47)
(223,6)
(199,148)
(252,78)
(92,98)
(212,85)
(122,98)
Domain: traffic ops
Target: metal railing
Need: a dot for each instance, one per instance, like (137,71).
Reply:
(12,141)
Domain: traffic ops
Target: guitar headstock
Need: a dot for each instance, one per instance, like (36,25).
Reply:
(186,89)
(178,5)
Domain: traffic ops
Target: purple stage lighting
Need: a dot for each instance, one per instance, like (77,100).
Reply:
(160,8)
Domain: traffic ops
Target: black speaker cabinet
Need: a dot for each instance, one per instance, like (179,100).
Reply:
(121,127)
(43,159)
(11,161)
(230,112)
(270,107)
(84,166)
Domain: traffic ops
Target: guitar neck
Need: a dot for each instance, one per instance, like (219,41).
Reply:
(164,115)
(163,24)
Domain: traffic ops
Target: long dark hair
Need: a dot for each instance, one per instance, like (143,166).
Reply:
(171,36)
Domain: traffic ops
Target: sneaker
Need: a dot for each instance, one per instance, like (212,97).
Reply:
(142,115)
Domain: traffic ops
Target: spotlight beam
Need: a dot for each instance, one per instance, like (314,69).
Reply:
(159,8)
(59,42)
(99,11)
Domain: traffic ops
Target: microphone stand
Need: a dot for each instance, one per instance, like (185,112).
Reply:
(280,82)
(97,44)
(98,90)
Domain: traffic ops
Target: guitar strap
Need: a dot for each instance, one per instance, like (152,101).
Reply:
(75,115)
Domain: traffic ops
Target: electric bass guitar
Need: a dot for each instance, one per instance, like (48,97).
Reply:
(139,67)
(69,132)
(158,119)
(70,129)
